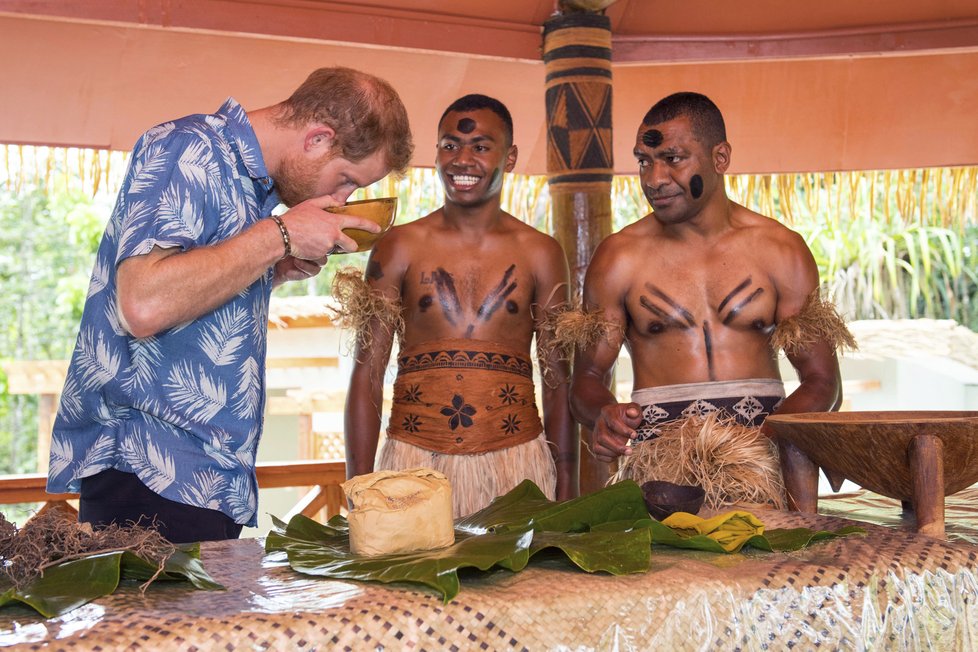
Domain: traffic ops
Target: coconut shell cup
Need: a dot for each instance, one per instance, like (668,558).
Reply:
(665,498)
(379,211)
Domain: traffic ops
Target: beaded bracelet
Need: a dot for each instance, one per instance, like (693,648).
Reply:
(286,239)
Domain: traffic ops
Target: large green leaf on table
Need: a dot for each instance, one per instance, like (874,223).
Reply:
(526,506)
(182,565)
(67,586)
(506,534)
(780,540)
(324,550)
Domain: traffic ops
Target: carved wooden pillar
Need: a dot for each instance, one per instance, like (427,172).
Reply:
(577,54)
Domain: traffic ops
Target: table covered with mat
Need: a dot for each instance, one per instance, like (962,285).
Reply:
(889,589)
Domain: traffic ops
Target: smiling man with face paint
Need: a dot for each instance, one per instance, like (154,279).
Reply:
(475,285)
(698,290)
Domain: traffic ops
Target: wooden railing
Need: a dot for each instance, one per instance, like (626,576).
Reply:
(324,478)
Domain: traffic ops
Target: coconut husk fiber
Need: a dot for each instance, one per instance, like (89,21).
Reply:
(359,307)
(816,322)
(53,537)
(578,329)
(733,463)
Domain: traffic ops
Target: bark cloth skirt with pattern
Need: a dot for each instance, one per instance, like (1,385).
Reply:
(467,408)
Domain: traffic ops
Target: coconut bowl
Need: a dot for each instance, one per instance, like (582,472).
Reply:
(665,498)
(379,211)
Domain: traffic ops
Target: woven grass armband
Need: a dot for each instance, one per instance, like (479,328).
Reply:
(359,305)
(816,322)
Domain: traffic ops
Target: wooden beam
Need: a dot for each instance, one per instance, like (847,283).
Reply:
(30,487)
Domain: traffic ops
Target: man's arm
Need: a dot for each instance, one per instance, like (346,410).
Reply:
(364,400)
(593,404)
(817,365)
(552,293)
(168,287)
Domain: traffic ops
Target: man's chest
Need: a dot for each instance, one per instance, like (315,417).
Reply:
(676,300)
(473,290)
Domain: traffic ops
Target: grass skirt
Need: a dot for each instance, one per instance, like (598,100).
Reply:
(479,478)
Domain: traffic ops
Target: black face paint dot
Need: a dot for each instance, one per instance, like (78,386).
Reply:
(656,327)
(466,125)
(425,302)
(512,308)
(758,324)
(696,186)
(652,138)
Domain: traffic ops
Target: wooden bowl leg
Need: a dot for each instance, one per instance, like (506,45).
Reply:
(800,478)
(927,470)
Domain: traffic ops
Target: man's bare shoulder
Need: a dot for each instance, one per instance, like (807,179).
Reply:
(769,229)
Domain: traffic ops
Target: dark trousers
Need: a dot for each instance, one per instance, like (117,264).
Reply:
(112,496)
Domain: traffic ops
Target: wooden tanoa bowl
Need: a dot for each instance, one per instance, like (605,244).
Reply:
(914,456)
(380,211)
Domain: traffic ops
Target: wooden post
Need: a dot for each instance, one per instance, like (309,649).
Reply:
(927,472)
(577,54)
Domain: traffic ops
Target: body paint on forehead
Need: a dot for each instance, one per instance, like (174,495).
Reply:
(696,186)
(447,295)
(652,138)
(466,125)
(498,295)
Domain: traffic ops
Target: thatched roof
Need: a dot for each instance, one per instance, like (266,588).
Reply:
(881,339)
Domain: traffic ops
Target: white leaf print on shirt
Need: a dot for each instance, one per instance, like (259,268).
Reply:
(145,358)
(203,491)
(248,394)
(196,164)
(241,500)
(97,362)
(154,467)
(146,170)
(246,453)
(198,395)
(112,316)
(179,216)
(219,450)
(97,458)
(221,339)
(100,277)
(62,454)
(71,404)
(134,222)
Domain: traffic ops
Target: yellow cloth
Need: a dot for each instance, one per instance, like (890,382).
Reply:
(731,530)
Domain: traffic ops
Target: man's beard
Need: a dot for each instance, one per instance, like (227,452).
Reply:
(296,181)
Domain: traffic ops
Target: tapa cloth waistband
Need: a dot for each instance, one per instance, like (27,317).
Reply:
(749,401)
(464,396)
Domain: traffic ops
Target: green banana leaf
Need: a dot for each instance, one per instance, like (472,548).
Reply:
(606,531)
(506,534)
(67,586)
(776,540)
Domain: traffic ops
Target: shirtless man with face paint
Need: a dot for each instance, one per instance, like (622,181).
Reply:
(474,286)
(696,289)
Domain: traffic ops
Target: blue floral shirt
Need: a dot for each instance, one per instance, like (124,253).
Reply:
(181,409)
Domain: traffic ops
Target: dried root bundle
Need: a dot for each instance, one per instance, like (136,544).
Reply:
(816,322)
(360,307)
(734,463)
(52,537)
